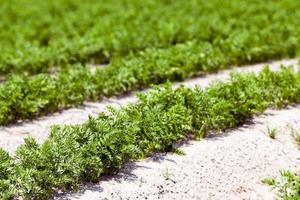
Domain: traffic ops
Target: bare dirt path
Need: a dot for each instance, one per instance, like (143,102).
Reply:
(221,167)
(12,136)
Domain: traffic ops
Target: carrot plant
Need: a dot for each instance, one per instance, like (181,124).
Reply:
(73,154)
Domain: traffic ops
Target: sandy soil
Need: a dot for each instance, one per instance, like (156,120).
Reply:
(13,135)
(227,166)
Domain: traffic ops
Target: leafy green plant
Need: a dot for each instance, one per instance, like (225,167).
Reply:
(6,166)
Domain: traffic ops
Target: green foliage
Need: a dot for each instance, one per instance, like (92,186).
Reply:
(76,153)
(288,186)
(24,97)
(272,132)
(6,165)
(39,35)
(269,181)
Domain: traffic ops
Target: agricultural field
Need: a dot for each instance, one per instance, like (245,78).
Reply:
(153,99)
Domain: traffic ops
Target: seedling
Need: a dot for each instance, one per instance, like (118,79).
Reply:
(272,132)
(295,133)
(167,175)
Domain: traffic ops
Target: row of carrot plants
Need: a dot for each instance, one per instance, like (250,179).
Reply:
(38,35)
(26,97)
(73,154)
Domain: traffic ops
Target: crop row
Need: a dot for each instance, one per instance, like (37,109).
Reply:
(26,97)
(37,35)
(77,153)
